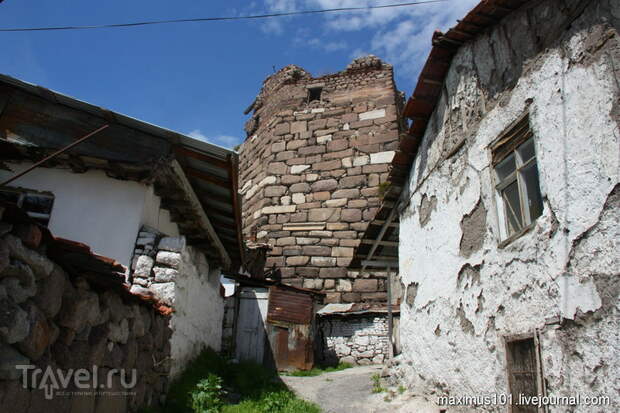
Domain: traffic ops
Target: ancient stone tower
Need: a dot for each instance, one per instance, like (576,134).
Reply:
(312,171)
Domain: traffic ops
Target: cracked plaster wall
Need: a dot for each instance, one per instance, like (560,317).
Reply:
(561,277)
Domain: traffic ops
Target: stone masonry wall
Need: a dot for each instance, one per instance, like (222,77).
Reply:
(355,340)
(51,319)
(311,173)
(467,289)
(180,276)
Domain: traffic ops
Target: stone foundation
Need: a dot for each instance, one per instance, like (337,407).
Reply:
(179,275)
(52,318)
(355,340)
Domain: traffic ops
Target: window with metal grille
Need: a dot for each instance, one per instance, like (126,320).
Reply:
(38,205)
(524,373)
(516,176)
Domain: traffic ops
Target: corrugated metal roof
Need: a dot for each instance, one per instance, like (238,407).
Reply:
(49,120)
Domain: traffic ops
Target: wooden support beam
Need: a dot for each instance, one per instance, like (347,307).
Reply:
(183,151)
(183,183)
(382,221)
(377,263)
(216,180)
(382,243)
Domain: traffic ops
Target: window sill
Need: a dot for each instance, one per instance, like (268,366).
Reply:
(516,235)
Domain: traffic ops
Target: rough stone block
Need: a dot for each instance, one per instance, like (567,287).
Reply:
(361,160)
(30,234)
(285,241)
(297,169)
(338,145)
(174,244)
(323,261)
(14,324)
(9,358)
(342,252)
(282,129)
(324,185)
(300,187)
(313,284)
(164,292)
(297,260)
(51,301)
(344,286)
(327,165)
(290,179)
(296,144)
(331,298)
(40,265)
(282,209)
(373,114)
(278,147)
(171,259)
(333,272)
(306,241)
(275,190)
(317,250)
(298,127)
(324,215)
(365,285)
(336,203)
(165,274)
(299,198)
(346,193)
(382,157)
(308,272)
(323,139)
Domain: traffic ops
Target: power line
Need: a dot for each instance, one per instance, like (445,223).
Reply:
(208,19)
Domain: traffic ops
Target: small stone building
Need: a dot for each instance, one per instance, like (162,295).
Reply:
(509,217)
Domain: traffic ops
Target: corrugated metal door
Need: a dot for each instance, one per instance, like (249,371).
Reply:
(251,324)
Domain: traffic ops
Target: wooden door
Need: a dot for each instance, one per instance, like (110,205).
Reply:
(250,340)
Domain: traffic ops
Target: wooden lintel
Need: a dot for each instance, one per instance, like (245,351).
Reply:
(377,263)
(431,81)
(383,243)
(382,221)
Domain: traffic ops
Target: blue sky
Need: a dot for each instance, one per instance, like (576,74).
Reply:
(197,78)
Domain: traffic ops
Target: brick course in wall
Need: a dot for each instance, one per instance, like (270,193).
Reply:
(311,173)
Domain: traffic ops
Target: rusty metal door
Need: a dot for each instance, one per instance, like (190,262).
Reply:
(251,324)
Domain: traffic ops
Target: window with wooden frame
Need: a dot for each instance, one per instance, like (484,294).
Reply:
(38,205)
(516,177)
(524,372)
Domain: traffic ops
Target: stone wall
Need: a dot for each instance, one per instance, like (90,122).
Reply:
(52,318)
(466,289)
(312,173)
(358,340)
(179,275)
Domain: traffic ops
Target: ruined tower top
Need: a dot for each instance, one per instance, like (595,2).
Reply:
(311,170)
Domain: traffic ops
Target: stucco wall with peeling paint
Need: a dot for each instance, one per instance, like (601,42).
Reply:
(464,292)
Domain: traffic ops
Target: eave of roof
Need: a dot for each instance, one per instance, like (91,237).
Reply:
(421,106)
(210,169)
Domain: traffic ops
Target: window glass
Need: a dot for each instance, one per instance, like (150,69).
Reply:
(9,196)
(534,200)
(512,207)
(505,167)
(38,203)
(526,150)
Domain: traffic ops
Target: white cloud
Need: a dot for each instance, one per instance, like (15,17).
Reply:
(401,35)
(226,141)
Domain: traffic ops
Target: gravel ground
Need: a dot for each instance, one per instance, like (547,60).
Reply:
(350,391)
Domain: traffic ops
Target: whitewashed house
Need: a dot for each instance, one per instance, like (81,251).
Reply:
(162,204)
(509,207)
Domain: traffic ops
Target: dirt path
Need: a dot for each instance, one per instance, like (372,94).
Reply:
(350,391)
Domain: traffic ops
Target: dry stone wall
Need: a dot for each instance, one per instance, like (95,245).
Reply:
(355,340)
(51,319)
(311,173)
(179,275)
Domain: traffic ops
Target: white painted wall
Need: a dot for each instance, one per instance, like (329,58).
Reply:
(102,212)
(90,207)
(566,267)
(198,310)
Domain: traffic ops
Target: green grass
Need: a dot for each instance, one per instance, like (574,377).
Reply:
(376,384)
(260,389)
(319,370)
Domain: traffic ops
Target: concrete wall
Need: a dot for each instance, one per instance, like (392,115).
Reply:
(97,210)
(464,292)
